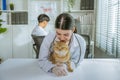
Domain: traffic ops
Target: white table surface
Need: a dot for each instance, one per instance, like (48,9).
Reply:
(90,69)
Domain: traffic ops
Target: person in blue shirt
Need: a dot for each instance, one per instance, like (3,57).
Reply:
(39,30)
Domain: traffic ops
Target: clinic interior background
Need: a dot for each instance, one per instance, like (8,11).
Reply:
(98,19)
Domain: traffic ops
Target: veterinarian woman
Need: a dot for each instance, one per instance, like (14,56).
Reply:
(65,27)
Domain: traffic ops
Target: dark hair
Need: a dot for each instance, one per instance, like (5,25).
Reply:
(43,17)
(64,21)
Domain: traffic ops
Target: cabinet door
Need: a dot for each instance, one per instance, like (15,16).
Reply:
(20,41)
(6,43)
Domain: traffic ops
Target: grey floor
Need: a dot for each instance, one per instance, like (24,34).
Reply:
(101,54)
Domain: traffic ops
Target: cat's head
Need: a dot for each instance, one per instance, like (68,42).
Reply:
(61,48)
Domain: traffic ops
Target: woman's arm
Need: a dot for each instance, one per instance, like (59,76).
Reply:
(44,62)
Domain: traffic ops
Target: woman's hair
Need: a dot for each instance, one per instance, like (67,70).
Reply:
(65,22)
(43,17)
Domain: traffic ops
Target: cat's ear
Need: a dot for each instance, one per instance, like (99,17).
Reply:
(56,42)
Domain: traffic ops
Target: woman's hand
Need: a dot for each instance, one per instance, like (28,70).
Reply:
(60,70)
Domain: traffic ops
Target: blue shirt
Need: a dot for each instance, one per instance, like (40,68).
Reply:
(39,31)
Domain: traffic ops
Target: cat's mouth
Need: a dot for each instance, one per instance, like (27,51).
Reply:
(61,53)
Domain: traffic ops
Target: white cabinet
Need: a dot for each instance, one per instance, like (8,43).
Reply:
(6,44)
(20,41)
(16,42)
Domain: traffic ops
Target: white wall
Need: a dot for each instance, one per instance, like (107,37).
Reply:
(18,5)
(36,8)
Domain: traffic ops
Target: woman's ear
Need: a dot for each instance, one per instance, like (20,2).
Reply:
(74,29)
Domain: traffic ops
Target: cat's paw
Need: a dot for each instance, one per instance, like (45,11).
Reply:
(70,70)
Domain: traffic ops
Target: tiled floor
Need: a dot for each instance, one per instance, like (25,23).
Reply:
(100,54)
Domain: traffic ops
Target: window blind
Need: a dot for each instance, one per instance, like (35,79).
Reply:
(108,26)
(118,31)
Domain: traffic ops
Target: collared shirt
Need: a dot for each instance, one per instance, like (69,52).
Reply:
(77,50)
(39,31)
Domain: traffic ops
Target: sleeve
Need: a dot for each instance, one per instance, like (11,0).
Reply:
(44,62)
(79,52)
(35,31)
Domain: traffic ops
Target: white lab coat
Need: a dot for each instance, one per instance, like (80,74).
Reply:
(39,31)
(45,49)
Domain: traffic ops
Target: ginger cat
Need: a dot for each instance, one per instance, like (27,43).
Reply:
(61,54)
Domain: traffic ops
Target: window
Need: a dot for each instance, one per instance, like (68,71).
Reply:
(108,26)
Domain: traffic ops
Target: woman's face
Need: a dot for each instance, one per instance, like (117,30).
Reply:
(64,35)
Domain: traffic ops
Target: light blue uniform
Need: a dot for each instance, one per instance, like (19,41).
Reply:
(39,31)
(77,50)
